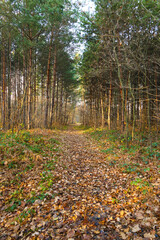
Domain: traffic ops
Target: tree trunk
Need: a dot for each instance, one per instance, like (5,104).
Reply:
(35,92)
(102,110)
(121,89)
(3,84)
(57,101)
(54,84)
(61,104)
(84,110)
(140,103)
(24,90)
(156,106)
(91,108)
(65,110)
(42,99)
(30,91)
(133,107)
(148,109)
(18,92)
(9,85)
(118,109)
(110,100)
(48,81)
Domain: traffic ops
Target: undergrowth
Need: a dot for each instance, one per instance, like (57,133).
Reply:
(18,145)
(114,141)
(27,162)
(138,158)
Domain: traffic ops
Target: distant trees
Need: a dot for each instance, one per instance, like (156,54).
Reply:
(37,77)
(120,68)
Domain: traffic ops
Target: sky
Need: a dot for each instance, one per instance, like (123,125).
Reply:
(87,6)
(84,6)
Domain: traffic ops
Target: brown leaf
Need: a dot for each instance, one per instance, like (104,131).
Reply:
(149,235)
(70,233)
(139,216)
(136,228)
(86,237)
(123,235)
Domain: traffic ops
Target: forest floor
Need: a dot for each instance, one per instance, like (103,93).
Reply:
(69,185)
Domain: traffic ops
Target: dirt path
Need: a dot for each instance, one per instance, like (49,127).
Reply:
(95,199)
(83,188)
(81,195)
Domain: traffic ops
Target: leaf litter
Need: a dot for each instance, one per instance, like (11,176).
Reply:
(72,191)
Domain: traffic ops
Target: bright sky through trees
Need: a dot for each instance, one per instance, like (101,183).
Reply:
(86,7)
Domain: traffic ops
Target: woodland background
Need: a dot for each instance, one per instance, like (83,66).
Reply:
(115,83)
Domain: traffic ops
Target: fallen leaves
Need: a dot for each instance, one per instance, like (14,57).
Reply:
(70,233)
(123,235)
(136,228)
(139,215)
(75,193)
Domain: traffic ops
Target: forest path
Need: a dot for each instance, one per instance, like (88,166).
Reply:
(74,191)
(97,198)
(86,170)
(84,188)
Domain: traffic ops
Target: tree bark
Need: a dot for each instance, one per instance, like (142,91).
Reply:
(110,100)
(57,100)
(61,103)
(54,84)
(65,110)
(42,98)
(24,90)
(9,84)
(35,91)
(102,111)
(48,81)
(3,84)
(30,91)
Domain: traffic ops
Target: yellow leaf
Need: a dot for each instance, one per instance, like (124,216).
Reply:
(96,231)
(122,213)
(74,218)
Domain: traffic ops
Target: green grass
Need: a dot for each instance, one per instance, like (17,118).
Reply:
(138,153)
(81,127)
(14,146)
(23,155)
(108,150)
(140,183)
